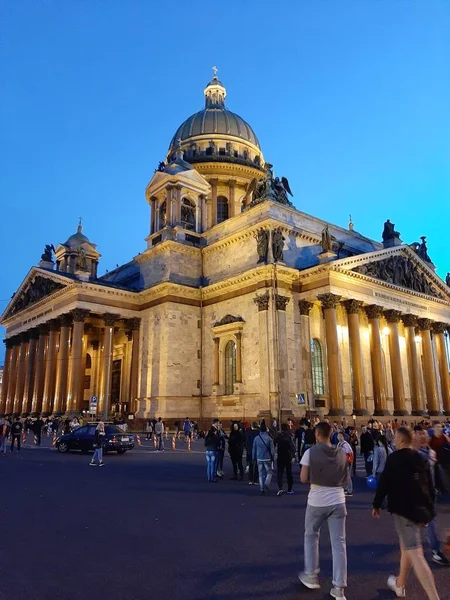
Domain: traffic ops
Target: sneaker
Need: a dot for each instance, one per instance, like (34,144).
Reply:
(92,464)
(440,559)
(280,492)
(102,464)
(400,592)
(250,483)
(337,592)
(348,494)
(290,492)
(309,581)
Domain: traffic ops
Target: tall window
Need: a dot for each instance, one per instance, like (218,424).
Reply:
(187,214)
(318,380)
(222,209)
(230,367)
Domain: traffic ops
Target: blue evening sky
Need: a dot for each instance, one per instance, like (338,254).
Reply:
(350,100)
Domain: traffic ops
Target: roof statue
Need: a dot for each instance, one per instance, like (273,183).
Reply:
(389,232)
(327,240)
(421,249)
(447,279)
(269,188)
(47,255)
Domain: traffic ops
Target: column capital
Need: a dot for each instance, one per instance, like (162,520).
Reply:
(9,342)
(54,325)
(329,300)
(373,311)
(392,316)
(281,301)
(133,324)
(232,182)
(352,306)
(24,336)
(305,307)
(440,327)
(79,315)
(110,319)
(409,320)
(65,320)
(238,335)
(33,333)
(43,329)
(214,181)
(216,340)
(425,324)
(262,301)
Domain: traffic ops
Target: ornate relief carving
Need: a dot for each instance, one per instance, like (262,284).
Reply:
(79,315)
(352,306)
(400,271)
(373,311)
(305,307)
(110,319)
(262,301)
(37,289)
(425,324)
(329,300)
(281,302)
(66,320)
(392,316)
(410,320)
(227,319)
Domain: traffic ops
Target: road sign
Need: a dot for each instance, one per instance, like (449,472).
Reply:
(302,398)
(93,405)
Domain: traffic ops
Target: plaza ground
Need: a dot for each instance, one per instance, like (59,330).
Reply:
(149,525)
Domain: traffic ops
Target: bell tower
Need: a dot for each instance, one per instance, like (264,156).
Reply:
(78,255)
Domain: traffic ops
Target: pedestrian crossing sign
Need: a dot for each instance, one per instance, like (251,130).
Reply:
(302,399)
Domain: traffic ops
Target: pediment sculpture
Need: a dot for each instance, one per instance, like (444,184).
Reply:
(37,289)
(400,271)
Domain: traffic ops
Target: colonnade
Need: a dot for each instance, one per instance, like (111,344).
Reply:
(431,335)
(45,366)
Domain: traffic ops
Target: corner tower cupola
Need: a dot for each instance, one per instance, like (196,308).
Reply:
(78,255)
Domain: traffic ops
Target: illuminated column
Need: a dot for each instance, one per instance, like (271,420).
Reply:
(29,375)
(393,318)
(50,371)
(238,357)
(216,361)
(262,301)
(305,349)
(428,368)
(231,198)
(134,326)
(410,322)
(374,313)
(62,372)
(441,351)
(213,183)
(39,375)
(21,370)
(108,335)
(359,398)
(79,315)
(6,375)
(329,303)
(12,374)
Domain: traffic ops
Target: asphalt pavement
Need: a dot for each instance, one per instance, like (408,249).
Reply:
(149,525)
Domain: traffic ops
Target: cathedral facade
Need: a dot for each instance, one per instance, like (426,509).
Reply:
(240,306)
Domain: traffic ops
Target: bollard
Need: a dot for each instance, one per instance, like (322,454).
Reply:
(189,444)
(174,438)
(138,439)
(155,442)
(54,440)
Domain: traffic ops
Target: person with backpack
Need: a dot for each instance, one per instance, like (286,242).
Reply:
(16,434)
(159,431)
(408,485)
(263,454)
(99,440)
(286,453)
(4,433)
(345,447)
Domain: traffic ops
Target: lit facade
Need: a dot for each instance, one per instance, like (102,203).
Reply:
(238,304)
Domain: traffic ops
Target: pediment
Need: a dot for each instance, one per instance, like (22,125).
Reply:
(400,267)
(34,288)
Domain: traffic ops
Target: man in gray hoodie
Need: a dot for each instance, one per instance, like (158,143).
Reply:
(263,454)
(325,468)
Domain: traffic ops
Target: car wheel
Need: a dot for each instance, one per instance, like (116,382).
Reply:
(121,451)
(63,447)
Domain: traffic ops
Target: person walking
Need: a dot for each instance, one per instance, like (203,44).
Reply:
(16,434)
(221,448)
(285,455)
(263,455)
(4,433)
(211,449)
(159,431)
(408,485)
(252,465)
(345,447)
(325,468)
(149,430)
(381,452)
(236,450)
(37,429)
(367,446)
(99,440)
(354,443)
(187,427)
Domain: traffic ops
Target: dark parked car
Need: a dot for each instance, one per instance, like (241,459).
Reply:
(82,438)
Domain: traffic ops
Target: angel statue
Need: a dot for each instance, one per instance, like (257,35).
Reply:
(282,189)
(47,255)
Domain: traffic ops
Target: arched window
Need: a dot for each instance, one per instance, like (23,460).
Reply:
(318,380)
(222,209)
(88,361)
(187,214)
(163,215)
(230,367)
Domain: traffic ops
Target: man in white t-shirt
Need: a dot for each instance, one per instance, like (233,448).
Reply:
(325,468)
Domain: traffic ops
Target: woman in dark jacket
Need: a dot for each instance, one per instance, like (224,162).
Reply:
(211,448)
(236,450)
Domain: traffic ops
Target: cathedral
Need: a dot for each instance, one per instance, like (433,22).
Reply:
(239,306)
